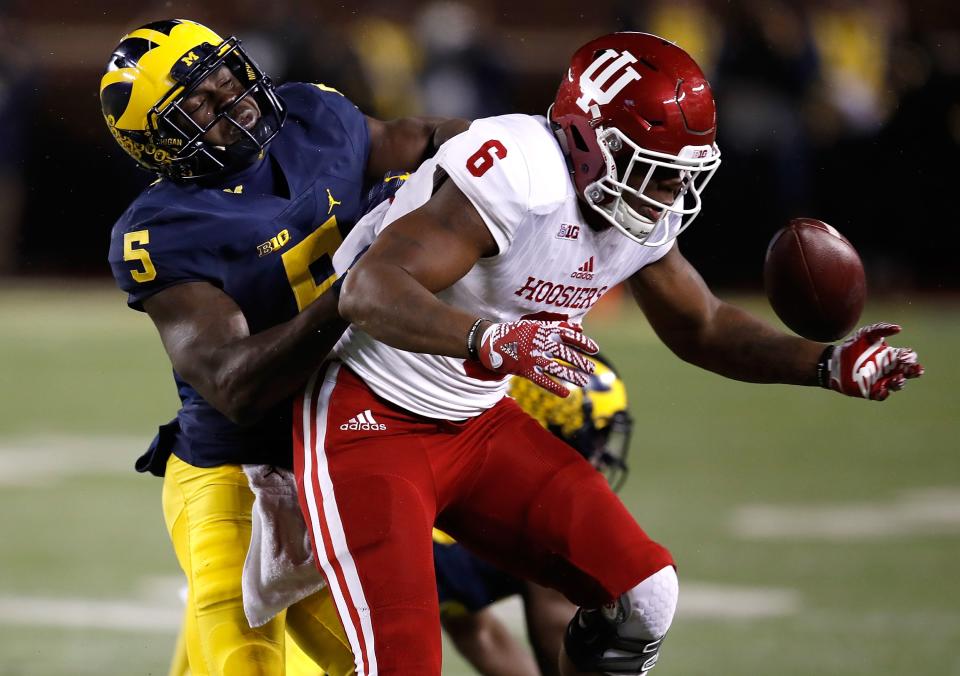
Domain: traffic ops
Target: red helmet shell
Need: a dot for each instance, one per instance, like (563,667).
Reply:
(645,86)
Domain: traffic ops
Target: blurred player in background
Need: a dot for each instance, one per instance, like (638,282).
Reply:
(483,267)
(229,252)
(594,420)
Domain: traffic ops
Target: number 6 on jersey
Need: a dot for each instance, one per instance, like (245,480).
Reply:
(480,162)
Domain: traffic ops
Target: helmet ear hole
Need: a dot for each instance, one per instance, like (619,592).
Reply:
(578,140)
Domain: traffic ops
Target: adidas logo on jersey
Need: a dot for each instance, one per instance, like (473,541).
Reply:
(363,421)
(585,271)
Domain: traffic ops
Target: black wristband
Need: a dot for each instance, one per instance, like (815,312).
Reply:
(823,366)
(472,350)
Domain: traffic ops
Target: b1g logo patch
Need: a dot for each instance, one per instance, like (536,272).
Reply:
(568,231)
(274,243)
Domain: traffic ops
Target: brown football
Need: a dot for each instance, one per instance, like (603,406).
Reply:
(814,280)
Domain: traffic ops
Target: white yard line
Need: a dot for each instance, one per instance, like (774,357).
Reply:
(159,609)
(79,613)
(42,461)
(920,512)
(702,601)
(156,607)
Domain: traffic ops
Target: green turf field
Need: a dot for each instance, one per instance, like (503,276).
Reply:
(814,534)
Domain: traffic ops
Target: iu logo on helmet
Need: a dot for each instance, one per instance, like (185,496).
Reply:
(599,89)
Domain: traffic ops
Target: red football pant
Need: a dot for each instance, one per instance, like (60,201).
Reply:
(499,483)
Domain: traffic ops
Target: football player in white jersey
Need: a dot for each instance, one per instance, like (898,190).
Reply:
(483,267)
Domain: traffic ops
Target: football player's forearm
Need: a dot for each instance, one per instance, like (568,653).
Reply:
(252,375)
(718,336)
(738,345)
(394,308)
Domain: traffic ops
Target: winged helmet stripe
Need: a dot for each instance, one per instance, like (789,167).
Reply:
(165,27)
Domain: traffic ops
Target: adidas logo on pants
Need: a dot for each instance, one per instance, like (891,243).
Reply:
(363,421)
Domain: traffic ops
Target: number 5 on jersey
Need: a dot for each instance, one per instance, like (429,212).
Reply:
(480,162)
(139,255)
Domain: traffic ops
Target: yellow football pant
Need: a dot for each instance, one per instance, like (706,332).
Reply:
(297,661)
(208,516)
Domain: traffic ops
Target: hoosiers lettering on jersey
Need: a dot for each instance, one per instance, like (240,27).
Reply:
(559,294)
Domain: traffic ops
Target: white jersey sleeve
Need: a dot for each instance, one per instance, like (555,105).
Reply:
(506,167)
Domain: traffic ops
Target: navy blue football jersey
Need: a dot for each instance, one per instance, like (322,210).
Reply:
(265,236)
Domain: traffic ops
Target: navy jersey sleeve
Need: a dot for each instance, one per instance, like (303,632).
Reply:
(149,255)
(328,104)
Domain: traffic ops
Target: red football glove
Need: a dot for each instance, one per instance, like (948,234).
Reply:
(866,366)
(531,349)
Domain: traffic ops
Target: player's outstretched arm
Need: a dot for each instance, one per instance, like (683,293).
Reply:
(406,142)
(728,340)
(241,375)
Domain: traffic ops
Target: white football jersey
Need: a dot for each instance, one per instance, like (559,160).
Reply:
(551,265)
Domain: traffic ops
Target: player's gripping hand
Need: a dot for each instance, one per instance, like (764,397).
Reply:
(531,349)
(866,366)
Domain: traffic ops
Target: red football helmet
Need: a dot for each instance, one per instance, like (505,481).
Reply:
(637,102)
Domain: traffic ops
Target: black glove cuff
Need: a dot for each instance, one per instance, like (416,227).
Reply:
(823,366)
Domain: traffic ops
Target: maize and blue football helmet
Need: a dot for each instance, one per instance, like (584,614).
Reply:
(153,70)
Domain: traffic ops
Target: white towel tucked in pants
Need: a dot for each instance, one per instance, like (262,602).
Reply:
(280,568)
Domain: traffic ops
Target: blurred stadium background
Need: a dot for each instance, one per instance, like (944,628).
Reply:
(814,533)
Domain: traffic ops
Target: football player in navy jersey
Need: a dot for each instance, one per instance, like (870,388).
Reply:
(229,253)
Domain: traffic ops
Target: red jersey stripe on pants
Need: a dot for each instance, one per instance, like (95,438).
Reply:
(500,483)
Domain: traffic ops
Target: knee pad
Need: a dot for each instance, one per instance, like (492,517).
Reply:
(624,636)
(254,660)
